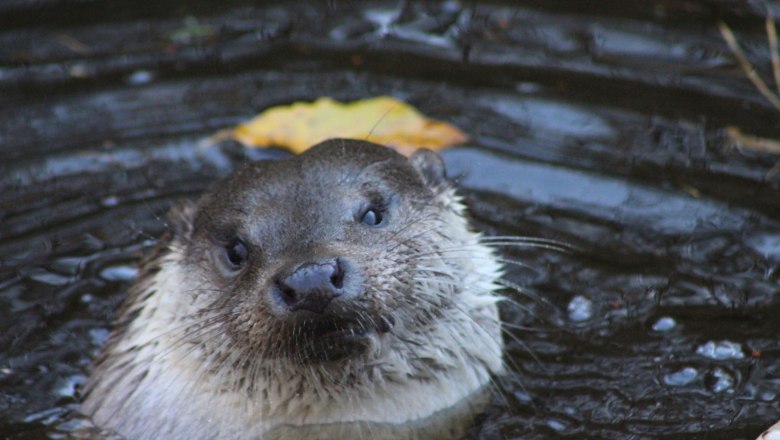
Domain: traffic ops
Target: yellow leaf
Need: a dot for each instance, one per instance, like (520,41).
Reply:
(383,120)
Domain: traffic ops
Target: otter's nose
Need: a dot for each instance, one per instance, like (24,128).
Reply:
(312,286)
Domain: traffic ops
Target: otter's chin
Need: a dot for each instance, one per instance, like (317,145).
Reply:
(337,346)
(333,340)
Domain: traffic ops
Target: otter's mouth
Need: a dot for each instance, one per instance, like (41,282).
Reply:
(336,340)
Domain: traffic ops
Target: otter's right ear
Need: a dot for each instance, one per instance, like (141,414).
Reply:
(430,166)
(181,218)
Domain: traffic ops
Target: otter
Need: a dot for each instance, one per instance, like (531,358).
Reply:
(341,286)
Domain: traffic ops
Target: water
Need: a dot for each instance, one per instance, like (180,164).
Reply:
(599,126)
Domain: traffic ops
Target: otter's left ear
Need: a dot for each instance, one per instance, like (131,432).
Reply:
(430,166)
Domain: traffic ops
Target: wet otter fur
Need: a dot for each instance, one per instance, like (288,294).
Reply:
(343,285)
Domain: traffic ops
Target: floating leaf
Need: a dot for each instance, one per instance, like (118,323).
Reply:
(383,120)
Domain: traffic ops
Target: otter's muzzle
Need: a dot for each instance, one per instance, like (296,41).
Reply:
(312,286)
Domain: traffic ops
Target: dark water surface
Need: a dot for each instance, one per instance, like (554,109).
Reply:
(601,125)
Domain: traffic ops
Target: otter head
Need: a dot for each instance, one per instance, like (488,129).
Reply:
(314,259)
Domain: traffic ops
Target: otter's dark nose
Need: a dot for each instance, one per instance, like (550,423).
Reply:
(312,286)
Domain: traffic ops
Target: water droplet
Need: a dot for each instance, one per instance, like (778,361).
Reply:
(664,324)
(556,425)
(682,377)
(767,396)
(67,388)
(721,350)
(140,77)
(719,380)
(119,273)
(580,308)
(109,201)
(522,396)
(529,87)
(87,298)
(98,336)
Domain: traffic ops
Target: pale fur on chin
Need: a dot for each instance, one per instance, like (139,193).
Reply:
(151,372)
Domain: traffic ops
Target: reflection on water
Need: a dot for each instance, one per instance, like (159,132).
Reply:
(548,118)
(593,194)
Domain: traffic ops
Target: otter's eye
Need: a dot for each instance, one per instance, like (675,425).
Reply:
(236,253)
(372,217)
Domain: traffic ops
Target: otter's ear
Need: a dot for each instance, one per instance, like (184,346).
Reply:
(181,218)
(430,166)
